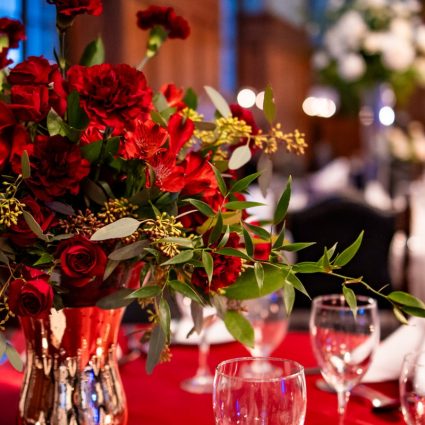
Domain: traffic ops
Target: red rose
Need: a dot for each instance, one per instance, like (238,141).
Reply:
(226,269)
(57,168)
(82,261)
(14,31)
(20,234)
(112,95)
(77,7)
(176,26)
(36,86)
(144,142)
(31,295)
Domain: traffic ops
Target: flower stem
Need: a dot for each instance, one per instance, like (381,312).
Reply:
(142,63)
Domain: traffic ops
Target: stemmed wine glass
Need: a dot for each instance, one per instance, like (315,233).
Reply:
(270,322)
(343,343)
(412,388)
(273,397)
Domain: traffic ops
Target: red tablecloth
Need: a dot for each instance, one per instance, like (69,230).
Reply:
(158,400)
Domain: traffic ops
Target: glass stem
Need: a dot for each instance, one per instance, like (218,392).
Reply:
(343,397)
(204,349)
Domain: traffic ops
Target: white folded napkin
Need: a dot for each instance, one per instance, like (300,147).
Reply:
(388,358)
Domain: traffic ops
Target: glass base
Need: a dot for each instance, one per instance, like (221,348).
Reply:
(198,384)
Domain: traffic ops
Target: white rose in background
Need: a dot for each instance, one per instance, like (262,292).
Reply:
(420,38)
(398,54)
(352,28)
(402,28)
(351,67)
(372,4)
(320,60)
(374,42)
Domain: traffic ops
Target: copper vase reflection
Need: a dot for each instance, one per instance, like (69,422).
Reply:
(71,375)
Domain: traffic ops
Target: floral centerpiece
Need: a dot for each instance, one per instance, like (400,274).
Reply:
(100,174)
(368,42)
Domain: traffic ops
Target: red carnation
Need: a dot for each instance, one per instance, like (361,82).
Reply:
(31,295)
(57,168)
(226,269)
(20,234)
(81,261)
(176,26)
(112,95)
(36,86)
(15,32)
(76,7)
(144,142)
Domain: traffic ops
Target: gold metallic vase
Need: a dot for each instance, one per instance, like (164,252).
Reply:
(71,375)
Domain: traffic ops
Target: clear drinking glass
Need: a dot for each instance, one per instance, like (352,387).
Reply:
(343,343)
(270,322)
(274,396)
(412,388)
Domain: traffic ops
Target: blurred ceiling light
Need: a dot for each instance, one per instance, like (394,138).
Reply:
(386,116)
(246,98)
(259,100)
(319,107)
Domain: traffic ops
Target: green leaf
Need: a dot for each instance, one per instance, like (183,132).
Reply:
(156,345)
(111,265)
(259,274)
(14,358)
(186,242)
(225,238)
(203,207)
(2,344)
(239,327)
(191,99)
(118,229)
(94,53)
(94,192)
(33,225)
(158,118)
(220,181)
(400,316)
(351,299)
(76,116)
(241,205)
(146,292)
(269,107)
(306,267)
(405,299)
(295,247)
(240,156)
(44,259)
(280,239)
(348,253)
(217,229)
(183,257)
(288,297)
(56,125)
(208,263)
(186,290)
(93,151)
(160,102)
(129,251)
(246,286)
(218,101)
(116,299)
(249,246)
(233,252)
(164,316)
(25,164)
(242,184)
(265,167)
(258,231)
(197,314)
(414,311)
(282,205)
(296,283)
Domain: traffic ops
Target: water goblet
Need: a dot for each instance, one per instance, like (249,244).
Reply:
(412,388)
(274,396)
(270,322)
(343,342)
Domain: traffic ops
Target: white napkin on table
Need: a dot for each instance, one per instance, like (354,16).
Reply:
(388,358)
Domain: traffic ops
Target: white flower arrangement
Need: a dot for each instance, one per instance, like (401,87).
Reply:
(407,145)
(367,42)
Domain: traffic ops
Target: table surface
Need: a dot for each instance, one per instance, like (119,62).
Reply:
(157,399)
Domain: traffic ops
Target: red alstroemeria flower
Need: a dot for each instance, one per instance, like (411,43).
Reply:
(176,26)
(174,96)
(144,142)
(199,176)
(112,95)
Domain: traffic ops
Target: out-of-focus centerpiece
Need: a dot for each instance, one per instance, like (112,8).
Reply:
(111,193)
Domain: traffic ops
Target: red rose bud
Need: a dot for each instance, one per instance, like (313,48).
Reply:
(32,297)
(72,8)
(176,26)
(82,261)
(112,95)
